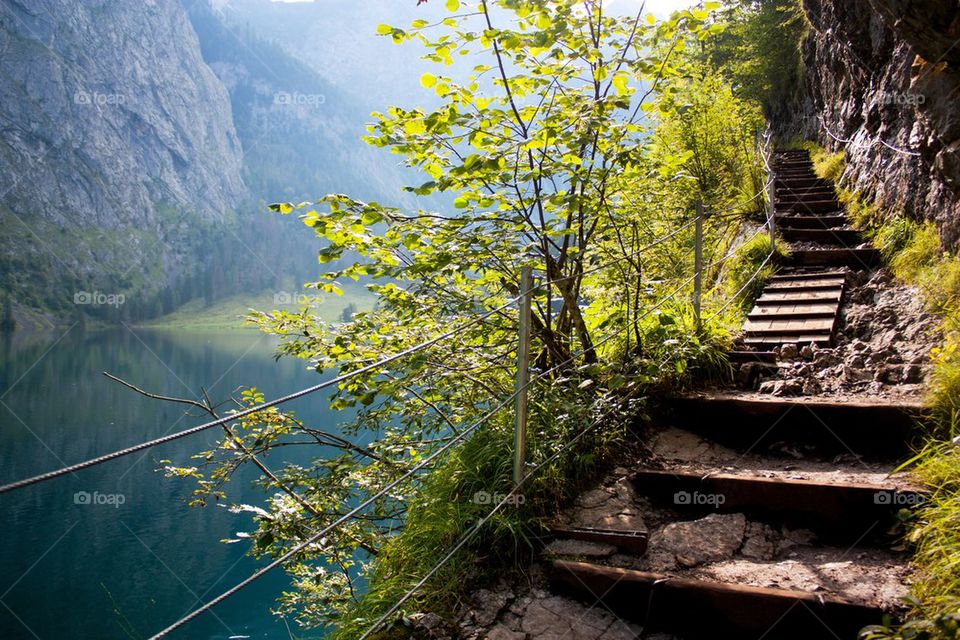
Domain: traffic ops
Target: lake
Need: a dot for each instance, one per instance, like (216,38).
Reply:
(136,557)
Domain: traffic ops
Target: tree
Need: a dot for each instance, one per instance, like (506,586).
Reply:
(548,153)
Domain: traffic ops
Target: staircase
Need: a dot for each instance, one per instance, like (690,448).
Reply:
(786,465)
(820,466)
(800,305)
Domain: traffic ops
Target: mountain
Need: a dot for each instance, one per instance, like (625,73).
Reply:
(118,154)
(139,145)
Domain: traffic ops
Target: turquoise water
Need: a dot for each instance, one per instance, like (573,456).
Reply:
(132,564)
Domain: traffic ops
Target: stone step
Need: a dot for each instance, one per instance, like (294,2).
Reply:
(698,608)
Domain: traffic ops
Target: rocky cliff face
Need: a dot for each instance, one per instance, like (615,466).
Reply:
(116,142)
(882,82)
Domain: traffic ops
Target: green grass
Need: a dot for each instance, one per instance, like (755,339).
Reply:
(229,313)
(445,509)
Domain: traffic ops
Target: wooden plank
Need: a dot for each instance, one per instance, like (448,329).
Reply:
(773,340)
(798,325)
(857,258)
(632,541)
(777,297)
(841,512)
(811,221)
(832,426)
(842,237)
(824,282)
(812,275)
(798,311)
(705,609)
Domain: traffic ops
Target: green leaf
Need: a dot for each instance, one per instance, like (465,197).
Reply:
(620,82)
(453,5)
(428,80)
(384,29)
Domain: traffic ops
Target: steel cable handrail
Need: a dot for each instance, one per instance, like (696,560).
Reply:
(303,545)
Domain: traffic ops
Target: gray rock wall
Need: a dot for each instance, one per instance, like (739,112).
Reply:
(112,124)
(883,77)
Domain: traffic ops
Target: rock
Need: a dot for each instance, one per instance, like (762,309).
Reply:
(854,374)
(131,127)
(912,374)
(788,352)
(807,353)
(761,541)
(788,388)
(555,618)
(769,386)
(811,388)
(715,537)
(792,538)
(489,604)
(888,374)
(501,632)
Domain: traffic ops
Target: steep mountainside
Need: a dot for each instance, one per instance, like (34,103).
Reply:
(117,151)
(884,78)
(301,133)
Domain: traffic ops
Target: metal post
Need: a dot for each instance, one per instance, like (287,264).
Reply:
(523,376)
(698,264)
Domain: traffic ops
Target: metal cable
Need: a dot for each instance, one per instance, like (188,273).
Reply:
(476,528)
(286,556)
(49,475)
(266,405)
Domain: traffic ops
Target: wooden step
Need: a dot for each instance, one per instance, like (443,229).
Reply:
(799,297)
(762,326)
(629,541)
(772,341)
(694,608)
(812,206)
(800,182)
(844,237)
(811,221)
(837,425)
(793,276)
(812,284)
(794,310)
(855,258)
(839,513)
